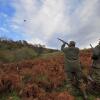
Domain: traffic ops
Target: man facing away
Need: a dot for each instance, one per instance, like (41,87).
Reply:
(95,70)
(72,67)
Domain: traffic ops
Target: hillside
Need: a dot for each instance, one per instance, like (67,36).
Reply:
(39,79)
(33,76)
(12,51)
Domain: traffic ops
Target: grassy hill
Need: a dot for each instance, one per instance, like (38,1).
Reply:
(12,51)
(44,76)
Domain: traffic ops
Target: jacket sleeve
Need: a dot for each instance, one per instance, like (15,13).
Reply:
(62,47)
(96,53)
(95,57)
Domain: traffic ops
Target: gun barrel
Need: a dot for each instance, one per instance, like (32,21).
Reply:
(91,46)
(63,41)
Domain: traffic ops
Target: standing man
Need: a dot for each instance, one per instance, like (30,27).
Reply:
(95,85)
(73,67)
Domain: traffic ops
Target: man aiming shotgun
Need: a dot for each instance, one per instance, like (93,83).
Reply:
(95,70)
(72,66)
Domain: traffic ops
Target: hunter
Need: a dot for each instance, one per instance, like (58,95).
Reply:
(72,67)
(95,70)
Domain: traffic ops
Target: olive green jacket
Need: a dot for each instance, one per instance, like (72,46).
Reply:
(71,58)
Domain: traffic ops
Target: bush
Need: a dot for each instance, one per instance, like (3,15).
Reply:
(24,53)
(17,54)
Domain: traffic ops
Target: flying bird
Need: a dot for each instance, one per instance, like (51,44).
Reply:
(24,20)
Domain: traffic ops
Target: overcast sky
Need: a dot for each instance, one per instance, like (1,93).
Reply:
(43,21)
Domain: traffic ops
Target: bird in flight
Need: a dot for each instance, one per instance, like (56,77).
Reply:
(24,20)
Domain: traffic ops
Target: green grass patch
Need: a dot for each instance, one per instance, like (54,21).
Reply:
(17,55)
(7,96)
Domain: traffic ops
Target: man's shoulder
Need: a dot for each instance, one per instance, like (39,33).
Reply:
(77,48)
(98,46)
(72,49)
(67,48)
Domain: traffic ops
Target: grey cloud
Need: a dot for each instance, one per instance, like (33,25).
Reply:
(68,19)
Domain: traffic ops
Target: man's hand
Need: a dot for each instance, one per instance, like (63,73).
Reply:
(62,47)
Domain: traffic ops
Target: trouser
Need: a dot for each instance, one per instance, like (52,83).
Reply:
(76,80)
